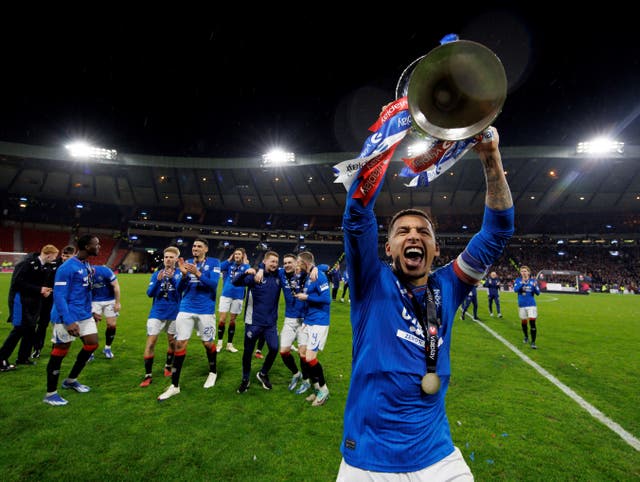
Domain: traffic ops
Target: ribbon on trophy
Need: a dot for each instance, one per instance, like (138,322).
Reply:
(446,101)
(389,131)
(378,149)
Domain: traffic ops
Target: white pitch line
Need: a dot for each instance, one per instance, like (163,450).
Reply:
(593,411)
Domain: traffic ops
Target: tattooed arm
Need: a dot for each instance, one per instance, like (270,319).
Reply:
(498,194)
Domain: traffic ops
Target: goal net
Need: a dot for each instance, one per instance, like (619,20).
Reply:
(561,281)
(8,259)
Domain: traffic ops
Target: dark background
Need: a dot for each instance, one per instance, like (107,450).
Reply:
(237,81)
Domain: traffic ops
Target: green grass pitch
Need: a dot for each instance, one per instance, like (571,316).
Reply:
(508,405)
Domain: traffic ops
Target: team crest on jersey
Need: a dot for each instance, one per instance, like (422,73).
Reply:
(415,325)
(416,333)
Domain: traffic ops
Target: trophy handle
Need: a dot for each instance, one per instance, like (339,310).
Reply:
(402,87)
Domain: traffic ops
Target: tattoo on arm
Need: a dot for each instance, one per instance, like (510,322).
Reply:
(498,193)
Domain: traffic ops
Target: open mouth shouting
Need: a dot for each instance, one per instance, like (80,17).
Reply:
(414,255)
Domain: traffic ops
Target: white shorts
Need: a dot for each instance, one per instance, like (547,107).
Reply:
(452,467)
(204,324)
(156,326)
(230,305)
(316,336)
(528,312)
(291,331)
(60,334)
(105,308)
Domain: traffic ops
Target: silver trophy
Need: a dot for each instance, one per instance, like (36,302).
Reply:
(455,91)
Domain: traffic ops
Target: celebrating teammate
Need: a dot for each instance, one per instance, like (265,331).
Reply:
(163,288)
(197,287)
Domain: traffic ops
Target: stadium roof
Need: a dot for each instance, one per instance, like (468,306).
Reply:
(544,180)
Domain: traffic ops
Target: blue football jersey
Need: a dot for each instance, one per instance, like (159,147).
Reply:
(390,424)
(102,289)
(199,295)
(165,294)
(72,292)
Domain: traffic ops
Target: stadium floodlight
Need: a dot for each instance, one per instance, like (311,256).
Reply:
(418,147)
(600,146)
(278,157)
(83,150)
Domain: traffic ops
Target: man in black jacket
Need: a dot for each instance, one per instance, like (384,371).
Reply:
(28,289)
(47,303)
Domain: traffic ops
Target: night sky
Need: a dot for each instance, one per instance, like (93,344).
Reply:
(219,84)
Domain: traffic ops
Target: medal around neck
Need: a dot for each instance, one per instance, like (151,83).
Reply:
(430,383)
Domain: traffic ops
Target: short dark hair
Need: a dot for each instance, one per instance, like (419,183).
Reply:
(84,240)
(69,249)
(408,212)
(203,241)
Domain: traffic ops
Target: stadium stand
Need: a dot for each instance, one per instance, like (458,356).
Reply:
(34,239)
(6,239)
(586,217)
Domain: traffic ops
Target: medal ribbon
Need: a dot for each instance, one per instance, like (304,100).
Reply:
(427,315)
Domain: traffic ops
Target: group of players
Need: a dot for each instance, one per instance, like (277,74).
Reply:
(527,289)
(74,295)
(184,299)
(70,293)
(31,302)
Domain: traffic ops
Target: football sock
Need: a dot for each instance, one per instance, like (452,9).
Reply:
(148,365)
(109,335)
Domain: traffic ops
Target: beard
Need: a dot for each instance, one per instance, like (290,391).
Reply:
(405,274)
